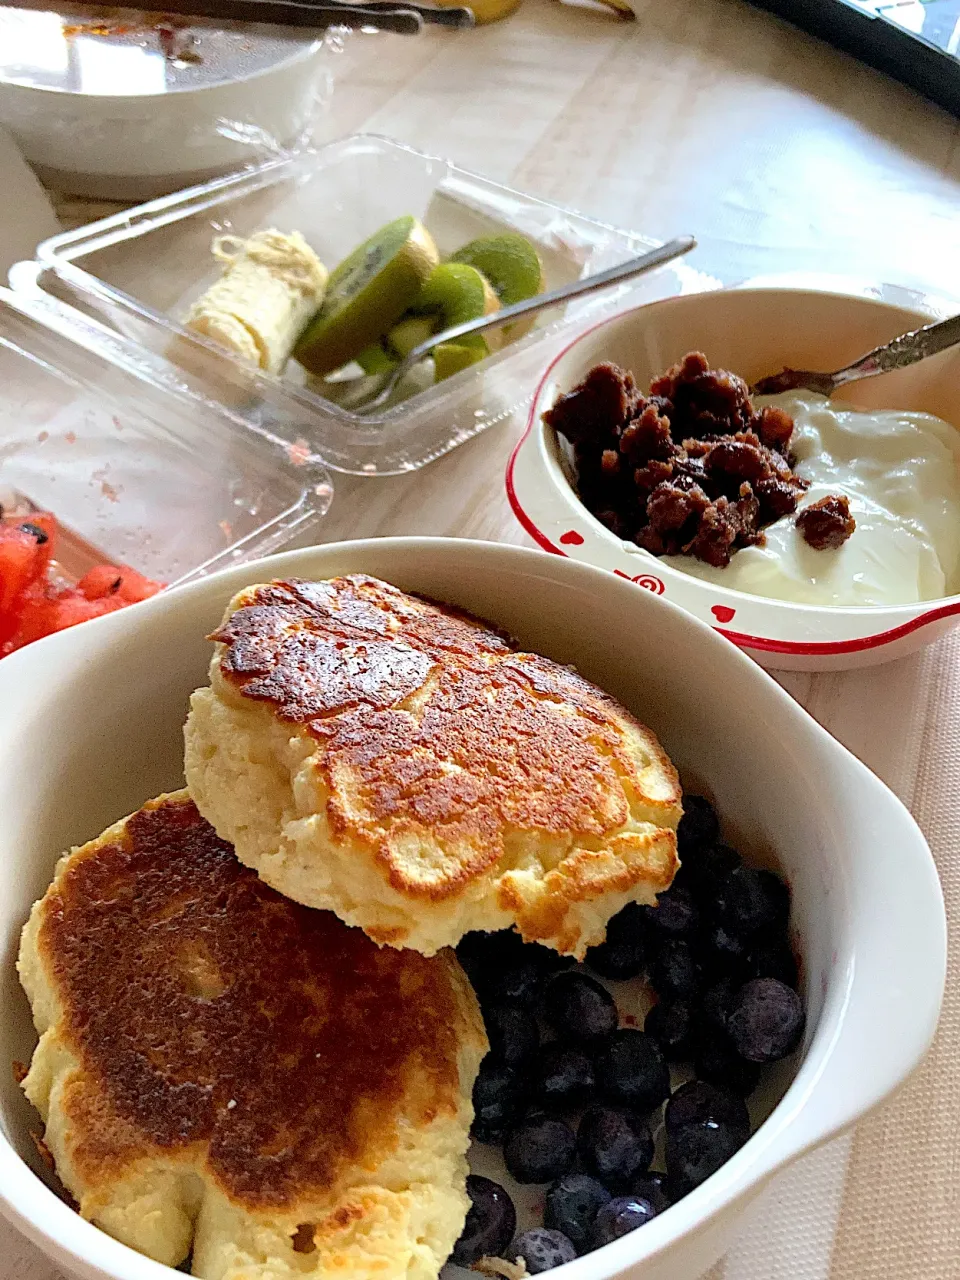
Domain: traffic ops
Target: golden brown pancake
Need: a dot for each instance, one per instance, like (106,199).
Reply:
(223,1070)
(402,764)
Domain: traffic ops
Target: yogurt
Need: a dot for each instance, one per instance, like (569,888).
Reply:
(901,474)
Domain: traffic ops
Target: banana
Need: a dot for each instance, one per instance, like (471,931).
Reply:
(271,285)
(620,8)
(484,10)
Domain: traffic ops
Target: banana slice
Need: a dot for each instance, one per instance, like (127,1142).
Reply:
(271,285)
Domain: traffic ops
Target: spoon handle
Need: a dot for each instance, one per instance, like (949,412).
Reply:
(530,306)
(902,351)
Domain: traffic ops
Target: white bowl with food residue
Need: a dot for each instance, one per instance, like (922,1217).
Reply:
(866,909)
(890,445)
(120,105)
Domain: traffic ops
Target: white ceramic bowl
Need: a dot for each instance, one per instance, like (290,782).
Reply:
(753,332)
(112,118)
(92,727)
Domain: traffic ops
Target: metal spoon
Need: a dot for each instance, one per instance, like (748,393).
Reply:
(506,315)
(908,349)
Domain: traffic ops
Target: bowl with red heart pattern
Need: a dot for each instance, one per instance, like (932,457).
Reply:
(815,533)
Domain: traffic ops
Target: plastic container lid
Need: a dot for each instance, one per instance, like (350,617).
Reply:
(136,471)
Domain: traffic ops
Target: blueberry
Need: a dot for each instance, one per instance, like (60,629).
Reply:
(676,914)
(703,870)
(522,984)
(572,1206)
(565,1077)
(699,825)
(671,1023)
(751,902)
(652,1187)
(729,949)
(715,1006)
(773,960)
(513,1034)
(491,1222)
(618,960)
(485,956)
(620,1216)
(628,926)
(697,1101)
(500,949)
(505,969)
(498,1094)
(579,1008)
(676,972)
(695,1151)
(540,1149)
(631,1069)
(718,1062)
(614,1145)
(767,1020)
(541,1249)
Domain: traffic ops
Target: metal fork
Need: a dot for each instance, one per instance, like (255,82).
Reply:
(531,306)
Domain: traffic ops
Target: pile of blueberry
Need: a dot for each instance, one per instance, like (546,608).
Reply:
(574,1098)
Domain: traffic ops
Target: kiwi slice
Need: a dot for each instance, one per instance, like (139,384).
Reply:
(399,342)
(409,333)
(367,294)
(376,359)
(450,357)
(452,294)
(512,265)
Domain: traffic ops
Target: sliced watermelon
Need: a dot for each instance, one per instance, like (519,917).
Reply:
(126,584)
(32,606)
(25,550)
(135,587)
(99,583)
(43,615)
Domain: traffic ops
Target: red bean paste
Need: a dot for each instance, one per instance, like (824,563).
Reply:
(692,468)
(826,524)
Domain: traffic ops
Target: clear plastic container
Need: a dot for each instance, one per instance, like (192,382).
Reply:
(140,270)
(135,471)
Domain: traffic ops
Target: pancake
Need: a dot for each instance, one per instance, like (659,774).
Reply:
(224,1072)
(403,765)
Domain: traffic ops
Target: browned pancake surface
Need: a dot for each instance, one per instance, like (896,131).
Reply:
(498,739)
(207,1009)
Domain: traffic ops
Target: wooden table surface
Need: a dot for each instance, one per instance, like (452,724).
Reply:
(780,155)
